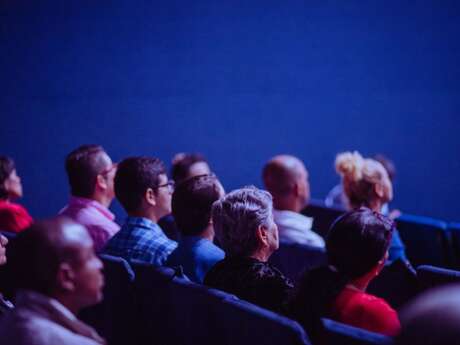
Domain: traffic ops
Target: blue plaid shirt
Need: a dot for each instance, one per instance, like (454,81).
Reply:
(141,239)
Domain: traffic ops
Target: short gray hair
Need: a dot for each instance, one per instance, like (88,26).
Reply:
(237,216)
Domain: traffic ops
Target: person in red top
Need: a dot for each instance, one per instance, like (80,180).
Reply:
(357,248)
(13,217)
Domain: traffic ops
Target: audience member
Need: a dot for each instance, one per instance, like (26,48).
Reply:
(186,165)
(56,274)
(5,305)
(433,318)
(13,217)
(244,225)
(191,206)
(338,199)
(357,246)
(143,189)
(286,178)
(366,183)
(91,172)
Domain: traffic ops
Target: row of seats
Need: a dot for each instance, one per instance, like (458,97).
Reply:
(428,241)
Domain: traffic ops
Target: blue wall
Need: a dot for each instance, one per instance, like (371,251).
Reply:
(239,81)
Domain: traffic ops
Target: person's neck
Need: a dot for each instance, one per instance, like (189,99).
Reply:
(261,255)
(287,204)
(376,206)
(69,303)
(361,283)
(208,233)
(144,214)
(103,199)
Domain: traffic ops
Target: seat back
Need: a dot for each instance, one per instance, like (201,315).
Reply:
(293,259)
(246,324)
(454,230)
(323,216)
(335,333)
(426,240)
(153,298)
(113,317)
(8,234)
(397,284)
(197,311)
(430,276)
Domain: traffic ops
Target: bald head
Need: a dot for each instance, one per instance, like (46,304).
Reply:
(40,250)
(286,178)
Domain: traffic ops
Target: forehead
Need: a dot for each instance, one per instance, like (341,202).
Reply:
(162,179)
(199,168)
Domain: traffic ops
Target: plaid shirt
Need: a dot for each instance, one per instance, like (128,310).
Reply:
(141,239)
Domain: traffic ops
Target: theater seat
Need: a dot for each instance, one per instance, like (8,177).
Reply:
(397,284)
(293,259)
(454,230)
(426,240)
(336,333)
(430,277)
(153,297)
(113,318)
(246,324)
(323,216)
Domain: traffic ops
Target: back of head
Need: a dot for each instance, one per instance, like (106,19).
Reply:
(6,168)
(134,176)
(38,252)
(433,318)
(359,176)
(355,244)
(82,166)
(192,202)
(357,241)
(280,174)
(183,165)
(238,215)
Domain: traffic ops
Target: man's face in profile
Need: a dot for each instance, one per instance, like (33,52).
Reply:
(88,279)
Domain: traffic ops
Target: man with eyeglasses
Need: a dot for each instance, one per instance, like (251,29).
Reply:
(143,189)
(91,173)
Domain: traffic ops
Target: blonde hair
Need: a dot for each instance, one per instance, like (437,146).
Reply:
(359,176)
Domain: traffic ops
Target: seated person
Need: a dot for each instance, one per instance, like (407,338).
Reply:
(432,318)
(5,305)
(366,183)
(187,165)
(13,217)
(184,166)
(191,207)
(244,225)
(56,274)
(286,178)
(91,172)
(337,198)
(143,189)
(357,247)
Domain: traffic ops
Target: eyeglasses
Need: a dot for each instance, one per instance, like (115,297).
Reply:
(170,184)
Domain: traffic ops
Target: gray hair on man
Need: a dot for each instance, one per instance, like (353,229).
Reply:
(238,215)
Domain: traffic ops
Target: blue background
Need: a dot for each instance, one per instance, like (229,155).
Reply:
(238,81)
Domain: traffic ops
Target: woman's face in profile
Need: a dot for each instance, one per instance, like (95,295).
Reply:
(13,185)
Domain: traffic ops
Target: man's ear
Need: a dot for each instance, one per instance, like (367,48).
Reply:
(65,277)
(150,197)
(261,234)
(101,182)
(378,190)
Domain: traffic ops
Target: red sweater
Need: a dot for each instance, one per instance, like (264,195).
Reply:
(13,217)
(362,310)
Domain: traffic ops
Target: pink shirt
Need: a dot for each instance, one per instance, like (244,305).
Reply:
(95,217)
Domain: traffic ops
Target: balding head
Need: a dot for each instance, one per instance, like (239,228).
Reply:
(56,258)
(286,178)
